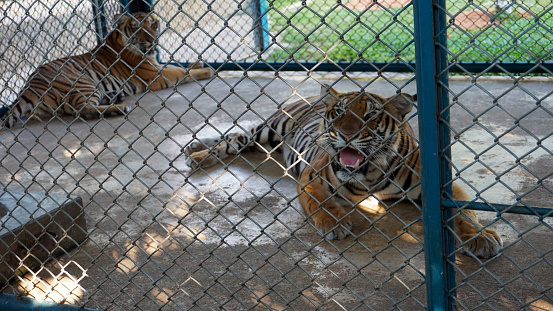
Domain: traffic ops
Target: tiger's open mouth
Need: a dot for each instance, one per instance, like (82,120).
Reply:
(351,158)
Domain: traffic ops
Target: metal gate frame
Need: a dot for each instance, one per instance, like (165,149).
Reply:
(432,73)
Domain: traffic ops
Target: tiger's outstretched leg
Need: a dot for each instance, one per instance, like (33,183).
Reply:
(318,202)
(480,242)
(198,71)
(200,74)
(171,76)
(91,112)
(113,97)
(208,152)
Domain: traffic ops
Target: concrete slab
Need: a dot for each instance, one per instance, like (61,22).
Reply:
(163,237)
(36,228)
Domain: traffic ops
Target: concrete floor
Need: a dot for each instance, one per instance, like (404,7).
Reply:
(164,237)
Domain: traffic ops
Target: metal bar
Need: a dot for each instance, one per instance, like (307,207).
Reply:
(427,90)
(440,28)
(136,6)
(123,6)
(541,67)
(10,302)
(500,208)
(260,25)
(293,66)
(100,23)
(383,67)
(264,23)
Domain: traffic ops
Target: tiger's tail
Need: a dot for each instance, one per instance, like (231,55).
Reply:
(4,114)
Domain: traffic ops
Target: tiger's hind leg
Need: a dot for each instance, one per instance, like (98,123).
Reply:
(112,97)
(208,152)
(107,110)
(99,104)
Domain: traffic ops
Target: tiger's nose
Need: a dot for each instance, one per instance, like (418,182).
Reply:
(348,136)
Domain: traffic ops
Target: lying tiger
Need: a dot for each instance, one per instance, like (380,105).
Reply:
(346,146)
(95,83)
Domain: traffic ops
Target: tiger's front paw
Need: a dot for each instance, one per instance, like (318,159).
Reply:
(202,73)
(201,159)
(198,153)
(196,65)
(202,144)
(487,244)
(331,229)
(7,123)
(121,110)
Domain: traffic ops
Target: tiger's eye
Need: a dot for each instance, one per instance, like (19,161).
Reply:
(134,23)
(369,115)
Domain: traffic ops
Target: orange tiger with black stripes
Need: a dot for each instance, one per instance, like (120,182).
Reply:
(344,147)
(95,83)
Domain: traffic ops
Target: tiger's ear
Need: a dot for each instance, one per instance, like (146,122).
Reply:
(329,95)
(120,19)
(400,105)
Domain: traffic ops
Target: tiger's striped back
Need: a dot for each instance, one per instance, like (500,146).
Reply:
(293,131)
(65,85)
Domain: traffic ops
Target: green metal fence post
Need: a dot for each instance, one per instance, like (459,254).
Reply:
(99,20)
(259,16)
(429,67)
(135,6)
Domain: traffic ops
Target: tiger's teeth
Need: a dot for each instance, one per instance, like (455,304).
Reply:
(354,166)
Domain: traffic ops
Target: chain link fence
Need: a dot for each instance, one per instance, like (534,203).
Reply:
(501,148)
(119,221)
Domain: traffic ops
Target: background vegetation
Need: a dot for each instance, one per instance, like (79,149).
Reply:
(520,32)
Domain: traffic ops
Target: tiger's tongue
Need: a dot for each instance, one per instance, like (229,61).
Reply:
(349,156)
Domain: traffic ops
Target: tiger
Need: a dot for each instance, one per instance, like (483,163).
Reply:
(95,83)
(344,148)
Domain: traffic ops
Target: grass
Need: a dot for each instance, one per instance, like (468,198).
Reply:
(324,29)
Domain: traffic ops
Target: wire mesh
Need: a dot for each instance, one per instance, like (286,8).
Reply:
(163,236)
(354,31)
(501,151)
(216,32)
